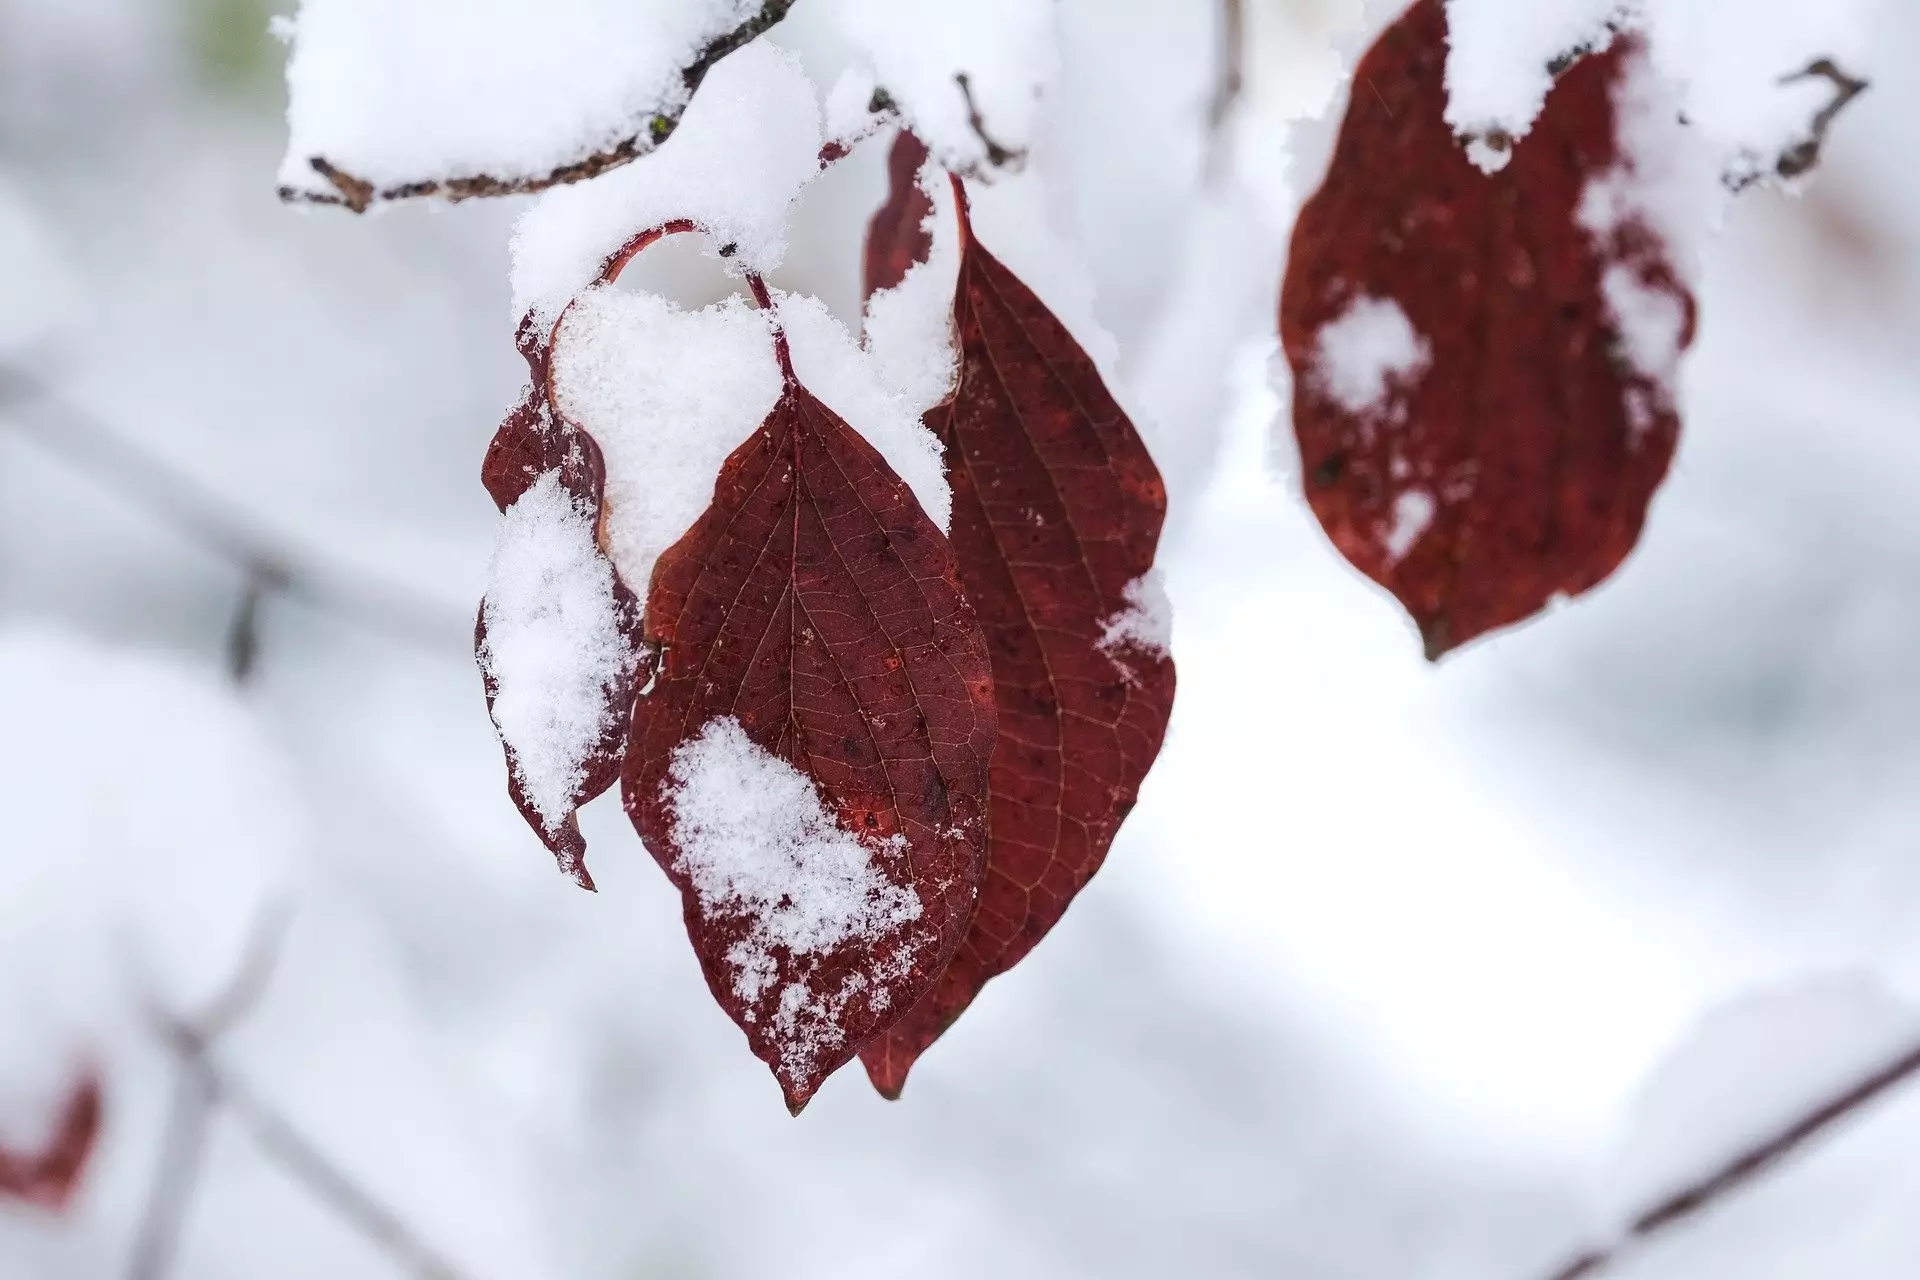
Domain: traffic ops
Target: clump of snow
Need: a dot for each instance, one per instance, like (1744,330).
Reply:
(1146,624)
(849,114)
(432,89)
(1734,76)
(847,380)
(667,394)
(909,328)
(753,838)
(554,645)
(1367,353)
(1498,57)
(1748,1070)
(917,50)
(747,146)
(1413,512)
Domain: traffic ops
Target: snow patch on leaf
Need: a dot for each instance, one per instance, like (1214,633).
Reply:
(1500,60)
(759,847)
(1369,351)
(1413,513)
(554,646)
(395,93)
(909,328)
(667,394)
(850,382)
(1146,624)
(747,146)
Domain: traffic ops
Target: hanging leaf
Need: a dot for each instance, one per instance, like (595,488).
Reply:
(810,765)
(1482,363)
(1057,508)
(559,634)
(48,1178)
(897,235)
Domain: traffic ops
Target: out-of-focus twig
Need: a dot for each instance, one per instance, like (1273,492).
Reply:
(205,1090)
(273,563)
(1743,1169)
(1801,157)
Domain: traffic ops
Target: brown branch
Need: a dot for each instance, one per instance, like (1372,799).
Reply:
(358,195)
(998,156)
(1804,155)
(1746,1167)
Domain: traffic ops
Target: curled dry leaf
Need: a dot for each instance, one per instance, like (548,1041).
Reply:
(1057,509)
(49,1177)
(533,443)
(810,765)
(1482,371)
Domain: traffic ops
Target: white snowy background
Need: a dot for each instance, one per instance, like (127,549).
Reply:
(1387,974)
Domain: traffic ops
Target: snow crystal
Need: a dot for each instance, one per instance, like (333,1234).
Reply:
(1750,1068)
(428,89)
(553,643)
(918,49)
(1498,57)
(847,380)
(1367,352)
(758,846)
(1413,513)
(667,394)
(1146,624)
(747,146)
(909,328)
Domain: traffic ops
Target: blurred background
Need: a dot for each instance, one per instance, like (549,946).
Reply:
(1397,971)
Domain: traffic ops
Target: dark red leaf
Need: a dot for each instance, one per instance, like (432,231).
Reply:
(1518,465)
(530,443)
(48,1178)
(1057,508)
(897,235)
(815,606)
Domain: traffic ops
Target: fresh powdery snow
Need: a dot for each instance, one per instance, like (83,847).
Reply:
(747,146)
(1362,356)
(667,394)
(919,49)
(1731,64)
(553,643)
(909,328)
(848,381)
(1146,624)
(427,90)
(759,848)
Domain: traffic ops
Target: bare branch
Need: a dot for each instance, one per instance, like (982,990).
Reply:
(177,1176)
(275,564)
(998,156)
(1233,64)
(358,195)
(1758,1159)
(1802,156)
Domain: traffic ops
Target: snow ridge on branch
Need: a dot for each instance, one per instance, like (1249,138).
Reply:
(358,194)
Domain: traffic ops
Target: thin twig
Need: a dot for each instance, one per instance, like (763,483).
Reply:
(1000,157)
(1745,1168)
(1232,79)
(358,194)
(1801,157)
(272,562)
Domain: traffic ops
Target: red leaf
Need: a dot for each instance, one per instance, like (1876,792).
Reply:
(897,235)
(532,442)
(48,1178)
(1518,463)
(811,616)
(1057,508)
